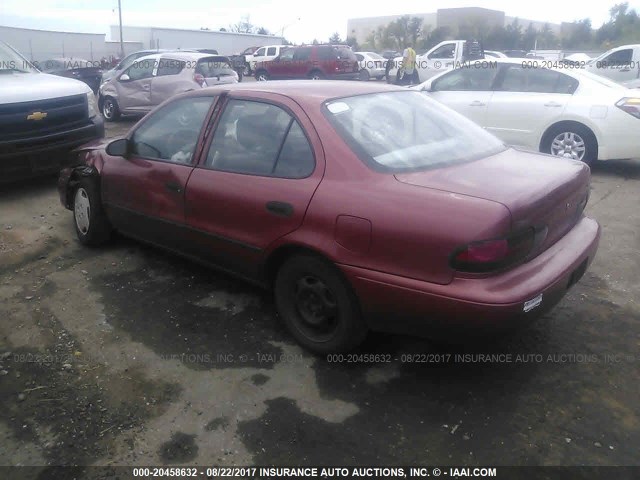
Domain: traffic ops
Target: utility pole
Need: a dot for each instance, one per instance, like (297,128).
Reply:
(121,40)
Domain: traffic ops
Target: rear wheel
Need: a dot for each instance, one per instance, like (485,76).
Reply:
(262,76)
(318,306)
(571,141)
(92,226)
(110,110)
(364,75)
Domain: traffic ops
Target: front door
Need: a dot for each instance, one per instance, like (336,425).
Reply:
(134,86)
(254,182)
(144,192)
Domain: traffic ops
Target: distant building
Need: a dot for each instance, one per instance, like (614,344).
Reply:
(226,43)
(454,18)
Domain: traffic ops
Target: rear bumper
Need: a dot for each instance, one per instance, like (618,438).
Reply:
(476,305)
(20,159)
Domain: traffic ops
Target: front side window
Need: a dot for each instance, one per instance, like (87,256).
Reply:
(406,131)
(619,58)
(271,51)
(261,139)
(171,133)
(466,79)
(287,55)
(445,51)
(141,69)
(260,53)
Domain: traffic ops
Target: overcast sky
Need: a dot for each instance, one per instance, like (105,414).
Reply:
(317,19)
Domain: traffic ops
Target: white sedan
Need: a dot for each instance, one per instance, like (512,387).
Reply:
(564,112)
(371,64)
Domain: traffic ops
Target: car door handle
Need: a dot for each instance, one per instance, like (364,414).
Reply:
(552,104)
(281,209)
(625,70)
(146,87)
(477,103)
(173,187)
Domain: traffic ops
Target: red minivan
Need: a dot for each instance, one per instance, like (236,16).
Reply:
(314,62)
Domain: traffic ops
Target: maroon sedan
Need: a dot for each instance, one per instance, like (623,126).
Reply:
(363,206)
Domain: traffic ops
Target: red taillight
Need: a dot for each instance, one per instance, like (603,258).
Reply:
(495,254)
(199,79)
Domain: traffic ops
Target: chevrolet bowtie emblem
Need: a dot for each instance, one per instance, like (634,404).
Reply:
(37,116)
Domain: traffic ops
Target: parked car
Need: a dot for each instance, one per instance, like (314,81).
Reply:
(126,62)
(246,56)
(516,53)
(362,205)
(621,64)
(42,118)
(265,54)
(150,80)
(315,62)
(76,68)
(564,112)
(371,65)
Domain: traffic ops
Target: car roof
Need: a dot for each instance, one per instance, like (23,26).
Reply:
(181,55)
(317,91)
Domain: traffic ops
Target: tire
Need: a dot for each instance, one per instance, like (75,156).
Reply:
(110,109)
(572,136)
(316,75)
(364,75)
(92,226)
(262,76)
(379,77)
(318,306)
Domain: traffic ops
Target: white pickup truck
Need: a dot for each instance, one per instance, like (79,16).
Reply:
(620,64)
(444,56)
(42,118)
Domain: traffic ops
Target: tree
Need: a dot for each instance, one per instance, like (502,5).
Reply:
(335,39)
(546,38)
(529,38)
(263,31)
(243,26)
(579,36)
(223,29)
(351,41)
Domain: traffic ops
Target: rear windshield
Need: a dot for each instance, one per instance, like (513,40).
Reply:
(406,131)
(214,67)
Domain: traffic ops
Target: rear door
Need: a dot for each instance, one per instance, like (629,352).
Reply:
(134,85)
(526,101)
(168,80)
(466,90)
(144,192)
(254,181)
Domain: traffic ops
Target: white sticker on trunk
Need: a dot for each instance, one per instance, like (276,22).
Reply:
(533,303)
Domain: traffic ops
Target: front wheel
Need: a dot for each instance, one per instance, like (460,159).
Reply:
(110,109)
(92,226)
(262,76)
(364,75)
(316,75)
(571,141)
(318,306)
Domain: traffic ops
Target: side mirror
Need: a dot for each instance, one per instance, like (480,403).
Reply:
(118,148)
(124,77)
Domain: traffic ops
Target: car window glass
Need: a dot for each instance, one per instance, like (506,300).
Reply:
(445,51)
(287,54)
(260,53)
(250,139)
(171,133)
(359,57)
(619,58)
(539,80)
(326,53)
(168,66)
(466,79)
(141,69)
(271,51)
(302,54)
(214,67)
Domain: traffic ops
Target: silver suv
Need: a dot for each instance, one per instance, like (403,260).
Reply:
(151,80)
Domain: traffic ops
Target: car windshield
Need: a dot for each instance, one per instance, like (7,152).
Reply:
(214,67)
(12,61)
(375,56)
(405,131)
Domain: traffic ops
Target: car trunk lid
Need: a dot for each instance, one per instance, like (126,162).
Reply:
(541,191)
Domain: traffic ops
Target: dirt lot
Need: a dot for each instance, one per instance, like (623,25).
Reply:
(128,356)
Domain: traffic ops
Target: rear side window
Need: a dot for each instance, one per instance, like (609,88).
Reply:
(261,139)
(536,80)
(271,51)
(326,53)
(302,54)
(168,66)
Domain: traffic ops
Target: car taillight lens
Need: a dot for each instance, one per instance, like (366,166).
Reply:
(199,79)
(630,105)
(496,254)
